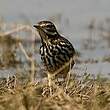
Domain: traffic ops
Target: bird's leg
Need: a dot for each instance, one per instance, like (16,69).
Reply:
(50,82)
(68,76)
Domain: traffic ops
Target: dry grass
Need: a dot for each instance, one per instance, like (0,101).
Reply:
(82,93)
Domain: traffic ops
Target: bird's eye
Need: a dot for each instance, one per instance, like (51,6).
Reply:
(50,29)
(49,26)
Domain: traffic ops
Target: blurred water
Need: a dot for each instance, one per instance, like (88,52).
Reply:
(72,18)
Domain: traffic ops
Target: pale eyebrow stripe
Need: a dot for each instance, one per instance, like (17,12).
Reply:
(46,24)
(42,24)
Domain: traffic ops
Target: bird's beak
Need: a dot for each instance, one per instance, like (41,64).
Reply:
(36,26)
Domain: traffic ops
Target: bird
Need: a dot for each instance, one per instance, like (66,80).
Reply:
(57,53)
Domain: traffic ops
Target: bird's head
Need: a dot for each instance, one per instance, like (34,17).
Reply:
(46,29)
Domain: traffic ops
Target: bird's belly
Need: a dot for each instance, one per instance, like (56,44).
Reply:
(54,60)
(57,67)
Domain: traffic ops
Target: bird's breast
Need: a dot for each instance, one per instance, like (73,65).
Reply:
(54,56)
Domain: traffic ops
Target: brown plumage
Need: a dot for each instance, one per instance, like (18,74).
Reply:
(56,51)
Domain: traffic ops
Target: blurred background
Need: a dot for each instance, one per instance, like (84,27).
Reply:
(86,23)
